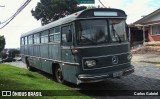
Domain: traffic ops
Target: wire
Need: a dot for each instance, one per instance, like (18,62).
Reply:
(16,12)
(102,4)
(14,15)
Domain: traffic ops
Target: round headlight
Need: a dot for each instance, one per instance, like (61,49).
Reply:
(90,63)
(129,57)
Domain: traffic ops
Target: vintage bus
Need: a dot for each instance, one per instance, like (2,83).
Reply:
(87,46)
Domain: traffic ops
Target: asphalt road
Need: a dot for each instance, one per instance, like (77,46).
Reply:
(145,77)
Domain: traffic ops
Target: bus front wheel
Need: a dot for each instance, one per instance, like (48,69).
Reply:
(58,75)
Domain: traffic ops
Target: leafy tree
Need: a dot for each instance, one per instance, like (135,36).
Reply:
(51,10)
(2,43)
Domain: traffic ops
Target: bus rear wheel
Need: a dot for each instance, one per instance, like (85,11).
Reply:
(58,75)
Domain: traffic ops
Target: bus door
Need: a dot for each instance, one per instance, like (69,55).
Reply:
(68,69)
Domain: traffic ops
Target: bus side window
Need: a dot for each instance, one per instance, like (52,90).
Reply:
(54,34)
(30,39)
(26,40)
(44,36)
(22,41)
(36,38)
(57,34)
(51,35)
(66,35)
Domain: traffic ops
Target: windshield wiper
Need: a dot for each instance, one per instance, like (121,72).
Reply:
(115,33)
(93,42)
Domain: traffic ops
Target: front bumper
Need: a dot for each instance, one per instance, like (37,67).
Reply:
(88,78)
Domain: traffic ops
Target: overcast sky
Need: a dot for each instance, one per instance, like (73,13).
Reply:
(25,21)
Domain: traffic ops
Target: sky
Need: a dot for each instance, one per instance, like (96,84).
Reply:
(25,22)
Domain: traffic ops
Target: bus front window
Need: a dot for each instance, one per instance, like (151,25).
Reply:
(91,32)
(117,30)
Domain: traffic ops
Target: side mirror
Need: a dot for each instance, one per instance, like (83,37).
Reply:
(69,36)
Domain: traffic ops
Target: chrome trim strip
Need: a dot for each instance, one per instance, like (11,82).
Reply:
(65,47)
(101,45)
(129,69)
(95,76)
(107,66)
(102,18)
(51,60)
(106,74)
(91,46)
(105,55)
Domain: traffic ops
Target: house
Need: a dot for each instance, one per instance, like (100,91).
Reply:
(147,29)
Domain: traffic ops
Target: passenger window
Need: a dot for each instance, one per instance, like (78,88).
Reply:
(44,37)
(57,36)
(30,39)
(22,41)
(36,38)
(51,35)
(25,40)
(57,29)
(54,34)
(66,35)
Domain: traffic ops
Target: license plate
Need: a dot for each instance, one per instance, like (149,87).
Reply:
(117,74)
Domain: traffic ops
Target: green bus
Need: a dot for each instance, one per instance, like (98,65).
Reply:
(87,46)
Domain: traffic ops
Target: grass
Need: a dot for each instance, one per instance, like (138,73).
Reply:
(13,78)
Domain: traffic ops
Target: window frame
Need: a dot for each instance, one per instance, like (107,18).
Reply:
(55,32)
(154,34)
(71,28)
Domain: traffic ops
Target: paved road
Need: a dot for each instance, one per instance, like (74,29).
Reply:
(145,77)
(19,64)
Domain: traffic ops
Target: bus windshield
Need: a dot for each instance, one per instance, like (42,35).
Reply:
(117,30)
(90,32)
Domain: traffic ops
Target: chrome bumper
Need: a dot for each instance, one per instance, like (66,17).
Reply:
(89,78)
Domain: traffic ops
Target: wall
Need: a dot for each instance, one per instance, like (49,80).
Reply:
(153,37)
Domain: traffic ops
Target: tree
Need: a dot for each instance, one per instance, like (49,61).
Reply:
(50,10)
(2,43)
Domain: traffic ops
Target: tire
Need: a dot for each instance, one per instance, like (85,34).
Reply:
(28,66)
(58,75)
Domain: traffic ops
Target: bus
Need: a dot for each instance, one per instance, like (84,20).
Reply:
(87,46)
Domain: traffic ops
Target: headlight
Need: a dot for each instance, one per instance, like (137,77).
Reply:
(129,57)
(90,63)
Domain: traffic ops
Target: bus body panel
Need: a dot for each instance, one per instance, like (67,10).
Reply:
(69,70)
(54,52)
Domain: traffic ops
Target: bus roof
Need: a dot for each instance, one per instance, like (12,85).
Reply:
(84,14)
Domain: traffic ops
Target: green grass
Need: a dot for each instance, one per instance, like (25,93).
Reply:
(13,78)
